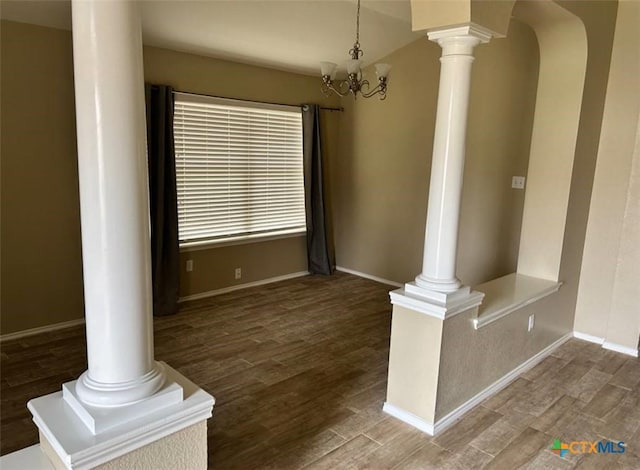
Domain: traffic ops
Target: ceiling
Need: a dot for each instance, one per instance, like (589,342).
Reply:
(293,35)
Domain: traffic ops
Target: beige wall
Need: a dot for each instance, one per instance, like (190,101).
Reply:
(380,179)
(215,268)
(41,252)
(41,257)
(607,304)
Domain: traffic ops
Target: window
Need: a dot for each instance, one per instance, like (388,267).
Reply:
(239,169)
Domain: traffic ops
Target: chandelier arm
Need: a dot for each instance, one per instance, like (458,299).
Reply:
(328,88)
(376,91)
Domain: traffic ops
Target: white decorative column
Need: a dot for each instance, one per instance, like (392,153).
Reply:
(126,401)
(423,310)
(114,204)
(438,279)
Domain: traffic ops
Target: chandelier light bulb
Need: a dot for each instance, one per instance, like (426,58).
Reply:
(382,70)
(353,66)
(328,69)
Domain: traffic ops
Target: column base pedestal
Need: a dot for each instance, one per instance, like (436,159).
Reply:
(98,394)
(437,304)
(100,419)
(70,443)
(418,327)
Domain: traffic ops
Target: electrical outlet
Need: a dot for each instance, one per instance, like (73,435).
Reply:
(189,265)
(532,320)
(238,273)
(517,182)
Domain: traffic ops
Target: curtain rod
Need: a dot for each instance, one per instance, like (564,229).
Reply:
(325,108)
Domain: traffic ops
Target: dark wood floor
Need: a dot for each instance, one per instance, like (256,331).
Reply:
(298,369)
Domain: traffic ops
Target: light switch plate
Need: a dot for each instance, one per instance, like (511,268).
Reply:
(517,182)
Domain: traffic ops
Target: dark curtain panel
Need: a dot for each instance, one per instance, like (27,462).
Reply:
(163,199)
(319,259)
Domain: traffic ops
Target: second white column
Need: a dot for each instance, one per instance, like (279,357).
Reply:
(447,168)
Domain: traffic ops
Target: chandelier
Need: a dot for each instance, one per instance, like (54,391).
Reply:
(354,83)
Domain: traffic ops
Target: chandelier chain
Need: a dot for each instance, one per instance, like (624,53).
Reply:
(358,24)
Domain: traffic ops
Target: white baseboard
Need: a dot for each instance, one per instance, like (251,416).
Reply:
(41,329)
(607,344)
(586,337)
(224,290)
(621,349)
(368,276)
(408,418)
(443,423)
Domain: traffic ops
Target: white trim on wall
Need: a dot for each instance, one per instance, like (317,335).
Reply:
(620,348)
(41,329)
(408,418)
(224,290)
(368,276)
(586,337)
(606,344)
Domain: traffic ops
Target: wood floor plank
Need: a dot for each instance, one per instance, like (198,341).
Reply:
(363,419)
(570,374)
(495,438)
(627,376)
(429,456)
(610,361)
(535,400)
(522,449)
(346,455)
(589,385)
(394,451)
(465,430)
(548,461)
(605,401)
(548,367)
(389,429)
(299,370)
(623,420)
(468,458)
(555,417)
(305,450)
(515,388)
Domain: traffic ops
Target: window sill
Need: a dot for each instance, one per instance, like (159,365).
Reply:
(243,240)
(510,293)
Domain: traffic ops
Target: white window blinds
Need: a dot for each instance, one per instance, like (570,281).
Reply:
(238,167)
